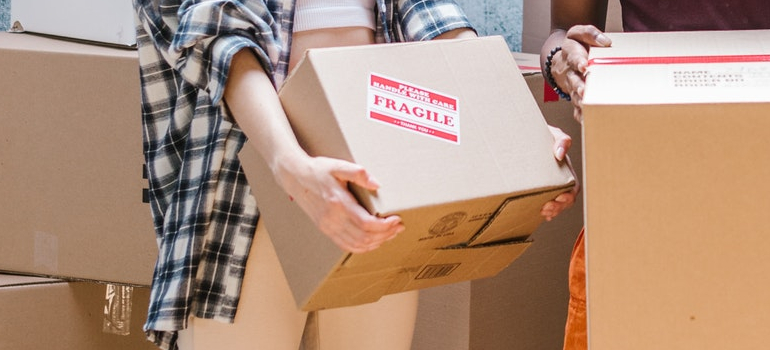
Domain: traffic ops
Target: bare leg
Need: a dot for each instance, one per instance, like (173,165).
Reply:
(387,324)
(267,316)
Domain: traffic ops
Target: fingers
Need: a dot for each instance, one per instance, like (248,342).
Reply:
(356,174)
(357,231)
(589,35)
(577,111)
(568,68)
(562,142)
(553,208)
(326,199)
(572,62)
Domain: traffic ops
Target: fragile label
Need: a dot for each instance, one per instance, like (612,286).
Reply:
(413,108)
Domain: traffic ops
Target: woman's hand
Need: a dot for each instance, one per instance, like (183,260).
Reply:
(562,143)
(568,66)
(319,185)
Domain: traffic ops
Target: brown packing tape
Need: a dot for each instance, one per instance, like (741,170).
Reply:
(117,309)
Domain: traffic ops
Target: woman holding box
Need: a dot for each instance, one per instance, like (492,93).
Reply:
(576,27)
(209,73)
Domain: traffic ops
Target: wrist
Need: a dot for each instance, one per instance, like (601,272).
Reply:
(286,167)
(549,77)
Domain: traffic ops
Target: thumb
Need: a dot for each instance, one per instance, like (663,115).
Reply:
(356,174)
(562,143)
(589,35)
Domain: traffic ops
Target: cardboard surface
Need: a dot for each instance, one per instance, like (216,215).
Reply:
(109,22)
(676,216)
(71,162)
(524,307)
(41,313)
(446,183)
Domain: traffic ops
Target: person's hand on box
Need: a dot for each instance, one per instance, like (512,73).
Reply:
(568,65)
(319,185)
(562,144)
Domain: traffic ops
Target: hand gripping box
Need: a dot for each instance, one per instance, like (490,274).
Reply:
(453,134)
(676,187)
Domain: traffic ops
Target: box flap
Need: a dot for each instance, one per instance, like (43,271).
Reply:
(12,280)
(517,218)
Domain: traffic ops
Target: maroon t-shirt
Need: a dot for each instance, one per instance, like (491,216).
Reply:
(686,15)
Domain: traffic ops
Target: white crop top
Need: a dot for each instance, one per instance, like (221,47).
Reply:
(318,14)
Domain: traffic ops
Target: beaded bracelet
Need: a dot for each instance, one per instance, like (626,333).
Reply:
(549,77)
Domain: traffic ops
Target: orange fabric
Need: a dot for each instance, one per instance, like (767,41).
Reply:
(576,328)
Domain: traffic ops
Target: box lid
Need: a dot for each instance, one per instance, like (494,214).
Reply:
(108,22)
(680,67)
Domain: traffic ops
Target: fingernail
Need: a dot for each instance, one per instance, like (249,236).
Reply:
(603,40)
(560,152)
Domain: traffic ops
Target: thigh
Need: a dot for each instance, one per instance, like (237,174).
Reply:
(267,316)
(387,324)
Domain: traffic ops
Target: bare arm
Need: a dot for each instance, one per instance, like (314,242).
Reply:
(567,13)
(576,25)
(317,184)
(460,33)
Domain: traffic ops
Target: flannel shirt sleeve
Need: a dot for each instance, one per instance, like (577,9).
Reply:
(426,19)
(210,32)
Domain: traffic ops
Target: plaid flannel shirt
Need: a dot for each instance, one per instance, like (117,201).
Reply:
(203,212)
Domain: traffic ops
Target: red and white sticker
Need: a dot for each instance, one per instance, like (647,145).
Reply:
(413,108)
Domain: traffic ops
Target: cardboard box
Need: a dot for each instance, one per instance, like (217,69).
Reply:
(523,306)
(468,183)
(71,162)
(676,191)
(109,22)
(42,313)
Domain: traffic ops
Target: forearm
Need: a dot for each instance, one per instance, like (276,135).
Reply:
(567,13)
(254,104)
(460,33)
(554,40)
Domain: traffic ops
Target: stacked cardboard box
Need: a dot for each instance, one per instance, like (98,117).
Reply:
(71,208)
(675,131)
(104,22)
(72,162)
(44,313)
